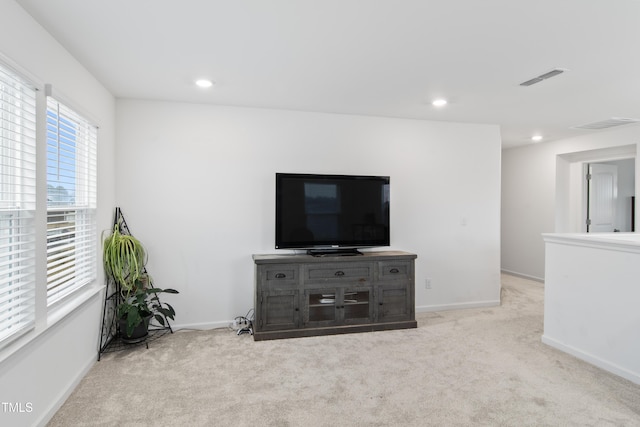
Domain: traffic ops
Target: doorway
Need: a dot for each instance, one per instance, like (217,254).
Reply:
(572,211)
(610,196)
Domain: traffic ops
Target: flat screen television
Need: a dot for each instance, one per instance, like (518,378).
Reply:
(331,213)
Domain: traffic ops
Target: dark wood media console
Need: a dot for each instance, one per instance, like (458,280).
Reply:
(303,295)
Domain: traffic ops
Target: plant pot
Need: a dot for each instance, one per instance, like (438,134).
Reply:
(138,334)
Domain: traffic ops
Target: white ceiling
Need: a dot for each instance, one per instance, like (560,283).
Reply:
(372,57)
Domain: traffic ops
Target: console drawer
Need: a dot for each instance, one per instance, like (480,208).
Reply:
(279,276)
(395,270)
(338,273)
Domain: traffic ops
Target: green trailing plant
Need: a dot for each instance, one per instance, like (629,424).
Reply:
(124,259)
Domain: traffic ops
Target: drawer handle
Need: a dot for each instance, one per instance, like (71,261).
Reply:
(394,271)
(280,275)
(339,273)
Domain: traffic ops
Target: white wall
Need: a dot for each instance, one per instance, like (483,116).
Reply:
(58,354)
(530,200)
(196,185)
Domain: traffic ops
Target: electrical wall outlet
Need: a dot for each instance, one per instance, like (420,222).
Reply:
(427,283)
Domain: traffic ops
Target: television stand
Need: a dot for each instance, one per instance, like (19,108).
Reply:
(300,295)
(334,252)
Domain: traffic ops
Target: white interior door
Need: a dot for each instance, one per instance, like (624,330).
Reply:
(602,184)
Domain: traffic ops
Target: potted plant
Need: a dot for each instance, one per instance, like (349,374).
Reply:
(140,305)
(124,259)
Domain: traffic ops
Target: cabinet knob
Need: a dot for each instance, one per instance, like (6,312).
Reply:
(339,273)
(394,271)
(280,275)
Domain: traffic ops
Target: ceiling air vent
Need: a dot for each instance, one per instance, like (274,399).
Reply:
(609,123)
(544,76)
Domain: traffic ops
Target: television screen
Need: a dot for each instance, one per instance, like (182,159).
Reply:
(331,211)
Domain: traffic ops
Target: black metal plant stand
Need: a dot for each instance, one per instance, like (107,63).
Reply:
(110,335)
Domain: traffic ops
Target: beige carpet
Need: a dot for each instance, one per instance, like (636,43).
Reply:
(484,367)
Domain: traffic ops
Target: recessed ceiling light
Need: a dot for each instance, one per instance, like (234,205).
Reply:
(439,102)
(204,83)
(536,138)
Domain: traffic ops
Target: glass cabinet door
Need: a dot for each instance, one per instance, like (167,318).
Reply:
(321,306)
(336,306)
(356,306)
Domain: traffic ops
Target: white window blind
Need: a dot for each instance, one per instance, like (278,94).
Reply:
(17,205)
(71,201)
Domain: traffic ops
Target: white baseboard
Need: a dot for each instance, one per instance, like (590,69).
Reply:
(524,276)
(201,326)
(594,360)
(460,306)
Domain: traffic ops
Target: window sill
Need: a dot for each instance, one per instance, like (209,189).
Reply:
(54,316)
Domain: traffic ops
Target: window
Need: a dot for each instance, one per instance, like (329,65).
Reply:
(71,201)
(17,204)
(71,237)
